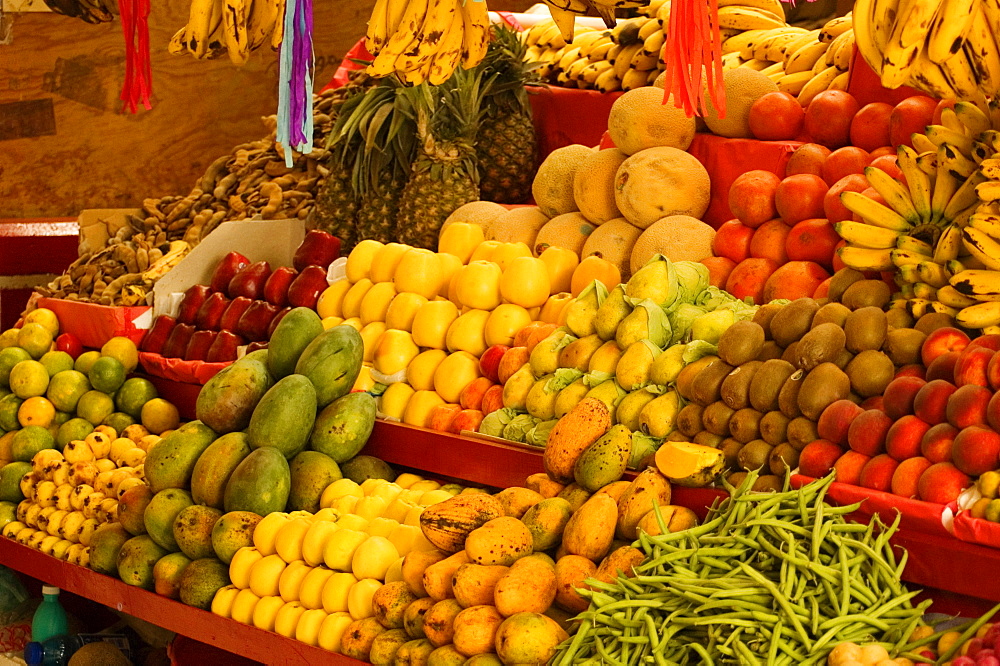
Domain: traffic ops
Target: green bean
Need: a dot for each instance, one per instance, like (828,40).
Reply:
(748,656)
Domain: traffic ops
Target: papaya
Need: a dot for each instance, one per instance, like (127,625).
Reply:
(604,461)
(171,462)
(332,362)
(284,417)
(215,465)
(291,336)
(261,483)
(580,428)
(591,529)
(447,524)
(342,428)
(227,400)
(546,522)
(311,473)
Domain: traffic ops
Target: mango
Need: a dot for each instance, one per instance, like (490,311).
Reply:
(105,543)
(528,638)
(136,560)
(311,472)
(501,541)
(570,437)
(343,427)
(284,417)
(438,577)
(546,522)
(571,571)
(214,467)
(529,587)
(385,646)
(415,563)
(630,408)
(390,602)
(227,400)
(160,514)
(234,530)
(291,336)
(171,462)
(414,652)
(261,483)
(193,530)
(475,630)
(413,616)
(201,580)
(605,460)
(167,573)
(332,362)
(439,622)
(570,397)
(359,637)
(131,507)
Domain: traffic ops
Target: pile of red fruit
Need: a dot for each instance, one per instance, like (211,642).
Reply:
(242,304)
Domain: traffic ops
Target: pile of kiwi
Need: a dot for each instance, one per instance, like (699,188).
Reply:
(759,399)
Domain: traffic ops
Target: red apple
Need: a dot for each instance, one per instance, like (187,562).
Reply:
(305,289)
(224,348)
(941,341)
(489,362)
(492,399)
(194,298)
(226,270)
(254,323)
(231,316)
(471,397)
(276,287)
(971,366)
(177,342)
(250,280)
(69,343)
(442,416)
(467,419)
(198,346)
(277,320)
(210,314)
(156,337)
(318,248)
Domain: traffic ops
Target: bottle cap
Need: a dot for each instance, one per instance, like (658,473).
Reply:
(50,589)
(33,653)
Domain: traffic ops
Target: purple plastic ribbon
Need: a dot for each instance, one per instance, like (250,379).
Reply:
(295,113)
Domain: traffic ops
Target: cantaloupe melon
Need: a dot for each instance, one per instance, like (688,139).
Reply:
(475,212)
(613,241)
(594,185)
(517,225)
(569,231)
(660,182)
(552,188)
(678,238)
(743,88)
(640,119)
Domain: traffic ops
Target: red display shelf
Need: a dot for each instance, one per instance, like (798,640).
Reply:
(229,635)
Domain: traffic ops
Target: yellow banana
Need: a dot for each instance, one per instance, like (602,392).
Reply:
(476,37)
(913,245)
(793,83)
(746,18)
(836,27)
(409,27)
(634,78)
(982,246)
(918,182)
(949,244)
(979,315)
(874,212)
(964,197)
(590,41)
(178,43)
(608,81)
(234,21)
(840,81)
(954,298)
(960,166)
(866,235)
(595,69)
(865,259)
(624,59)
(818,84)
(981,51)
(945,186)
(905,41)
(933,274)
(961,75)
(278,33)
(199,26)
(921,144)
(890,189)
(451,48)
(801,42)
(804,59)
(260,24)
(924,291)
(773,6)
(988,224)
(737,43)
(378,27)
(653,45)
(977,284)
(758,65)
(565,21)
(650,27)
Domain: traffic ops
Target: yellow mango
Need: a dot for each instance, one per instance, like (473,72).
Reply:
(560,264)
(431,323)
(529,587)
(525,281)
(359,261)
(479,285)
(591,528)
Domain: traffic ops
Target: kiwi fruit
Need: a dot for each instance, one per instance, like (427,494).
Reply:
(754,454)
(793,320)
(705,438)
(767,383)
(685,378)
(741,343)
(841,280)
(831,313)
(870,372)
(931,322)
(903,345)
(768,483)
(764,315)
(677,436)
(771,349)
(731,450)
(899,318)
(783,457)
(788,397)
(801,431)
(825,384)
(744,426)
(866,293)
(843,358)
(822,344)
(715,418)
(707,384)
(866,329)
(689,419)
(789,353)
(735,390)
(774,428)
(736,479)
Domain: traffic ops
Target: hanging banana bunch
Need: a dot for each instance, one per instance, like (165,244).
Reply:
(91,11)
(234,27)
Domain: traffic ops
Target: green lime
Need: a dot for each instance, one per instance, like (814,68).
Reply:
(10,481)
(133,394)
(66,388)
(10,357)
(29,379)
(56,361)
(95,407)
(29,441)
(61,417)
(119,421)
(9,406)
(107,374)
(72,430)
(8,513)
(85,360)
(124,350)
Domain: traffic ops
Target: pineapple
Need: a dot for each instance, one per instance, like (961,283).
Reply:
(505,145)
(444,175)
(336,207)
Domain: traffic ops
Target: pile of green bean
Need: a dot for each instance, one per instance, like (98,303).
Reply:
(769,578)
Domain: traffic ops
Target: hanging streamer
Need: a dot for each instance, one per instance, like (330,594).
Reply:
(138,85)
(693,49)
(295,81)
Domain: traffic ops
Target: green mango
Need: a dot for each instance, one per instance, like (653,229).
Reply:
(261,483)
(284,417)
(171,462)
(290,338)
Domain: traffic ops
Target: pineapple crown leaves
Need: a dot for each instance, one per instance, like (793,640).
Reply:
(506,59)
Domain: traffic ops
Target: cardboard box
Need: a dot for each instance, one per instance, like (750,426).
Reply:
(273,241)
(97,225)
(95,324)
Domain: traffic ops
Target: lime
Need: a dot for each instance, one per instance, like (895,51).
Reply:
(46,318)
(9,404)
(133,394)
(34,339)
(37,411)
(85,360)
(72,430)
(65,389)
(56,361)
(8,513)
(10,481)
(119,421)
(28,379)
(9,338)
(158,416)
(122,349)
(95,407)
(61,417)
(29,441)
(107,374)
(10,357)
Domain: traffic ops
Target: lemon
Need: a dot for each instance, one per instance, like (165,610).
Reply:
(85,360)
(119,421)
(56,361)
(124,350)
(34,339)
(28,379)
(29,441)
(73,429)
(158,416)
(44,317)
(9,338)
(95,406)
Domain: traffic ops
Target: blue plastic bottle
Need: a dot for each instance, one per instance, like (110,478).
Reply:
(54,652)
(49,620)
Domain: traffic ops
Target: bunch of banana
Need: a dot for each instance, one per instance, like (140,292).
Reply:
(946,48)
(91,11)
(426,40)
(234,27)
(564,12)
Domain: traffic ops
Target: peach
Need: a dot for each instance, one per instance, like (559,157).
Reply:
(818,457)
(904,437)
(768,241)
(941,341)
(732,240)
(489,362)
(848,467)
(993,372)
(931,401)
(866,434)
(828,117)
(870,126)
(937,442)
(976,450)
(800,197)
(942,483)
(442,416)
(823,290)
(521,337)
(807,158)
(843,162)
(719,269)
(794,280)
(967,406)
(878,472)
(993,412)
(833,207)
(492,399)
(912,370)
(991,341)
(875,402)
(466,420)
(899,394)
(539,334)
(512,361)
(907,476)
(971,366)
(752,197)
(836,420)
(911,115)
(943,367)
(749,277)
(471,397)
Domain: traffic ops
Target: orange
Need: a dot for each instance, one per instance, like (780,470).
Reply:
(10,357)
(124,350)
(37,411)
(107,374)
(85,360)
(56,361)
(34,339)
(46,318)
(9,406)
(66,388)
(95,407)
(158,416)
(133,394)
(28,379)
